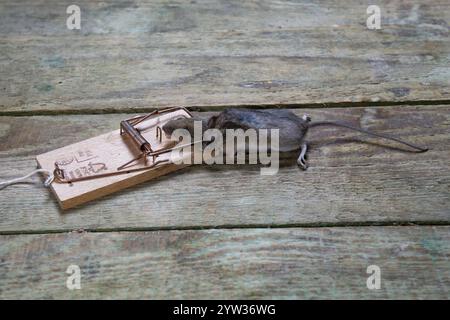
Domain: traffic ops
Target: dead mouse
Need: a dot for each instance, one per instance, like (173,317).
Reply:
(292,129)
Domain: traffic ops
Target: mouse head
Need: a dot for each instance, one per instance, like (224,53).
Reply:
(177,123)
(181,123)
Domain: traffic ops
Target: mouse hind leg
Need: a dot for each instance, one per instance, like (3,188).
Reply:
(301,161)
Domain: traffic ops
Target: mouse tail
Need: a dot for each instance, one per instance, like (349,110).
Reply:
(370,133)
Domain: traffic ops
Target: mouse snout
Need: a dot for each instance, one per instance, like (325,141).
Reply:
(181,123)
(168,128)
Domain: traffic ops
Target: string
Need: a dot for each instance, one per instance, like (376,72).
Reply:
(47,182)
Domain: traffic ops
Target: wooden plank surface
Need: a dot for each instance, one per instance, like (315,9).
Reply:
(232,264)
(134,55)
(349,180)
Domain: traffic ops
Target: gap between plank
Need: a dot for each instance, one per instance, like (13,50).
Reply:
(231,227)
(327,105)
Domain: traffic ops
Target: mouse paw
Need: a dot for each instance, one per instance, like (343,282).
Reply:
(303,165)
(306,118)
(301,161)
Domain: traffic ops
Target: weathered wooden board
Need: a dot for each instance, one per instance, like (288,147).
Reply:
(104,154)
(131,55)
(230,264)
(349,180)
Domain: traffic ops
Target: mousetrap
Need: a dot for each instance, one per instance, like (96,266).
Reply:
(93,168)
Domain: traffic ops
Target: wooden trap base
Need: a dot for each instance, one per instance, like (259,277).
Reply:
(104,154)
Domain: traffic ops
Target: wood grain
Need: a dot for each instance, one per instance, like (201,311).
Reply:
(230,264)
(137,54)
(351,179)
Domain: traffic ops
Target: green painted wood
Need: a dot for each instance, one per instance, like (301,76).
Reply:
(230,264)
(145,54)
